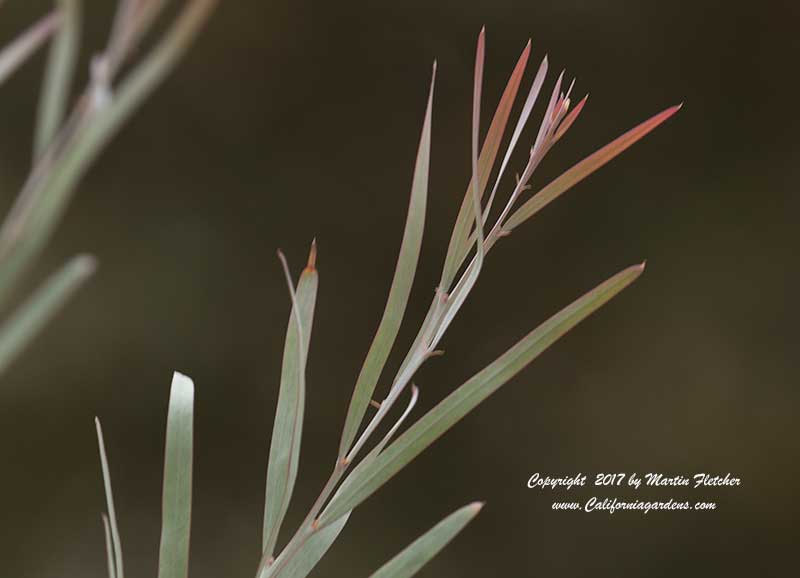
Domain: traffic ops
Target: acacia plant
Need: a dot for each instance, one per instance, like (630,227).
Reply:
(366,458)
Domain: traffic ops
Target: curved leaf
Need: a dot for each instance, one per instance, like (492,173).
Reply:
(400,290)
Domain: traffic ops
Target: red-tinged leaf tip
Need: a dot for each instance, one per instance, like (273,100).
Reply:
(434,68)
(312,256)
(580,105)
(570,119)
(527,50)
(481,37)
(477,506)
(635,271)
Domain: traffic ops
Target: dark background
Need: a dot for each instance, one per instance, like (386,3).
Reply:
(297,119)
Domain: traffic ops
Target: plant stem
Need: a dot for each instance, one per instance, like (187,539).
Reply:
(308,527)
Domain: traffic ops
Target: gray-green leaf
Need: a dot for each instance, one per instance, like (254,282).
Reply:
(287,430)
(408,562)
(176,515)
(58,75)
(400,289)
(113,540)
(29,319)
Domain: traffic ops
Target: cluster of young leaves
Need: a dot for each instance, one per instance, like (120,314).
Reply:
(68,139)
(352,481)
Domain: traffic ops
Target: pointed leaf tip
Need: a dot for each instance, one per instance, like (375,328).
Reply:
(527,50)
(411,560)
(86,263)
(477,506)
(312,256)
(570,118)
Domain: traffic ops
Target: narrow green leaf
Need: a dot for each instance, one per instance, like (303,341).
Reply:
(58,75)
(400,290)
(112,572)
(459,240)
(408,562)
(287,430)
(584,168)
(176,506)
(16,53)
(29,319)
(456,405)
(116,542)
